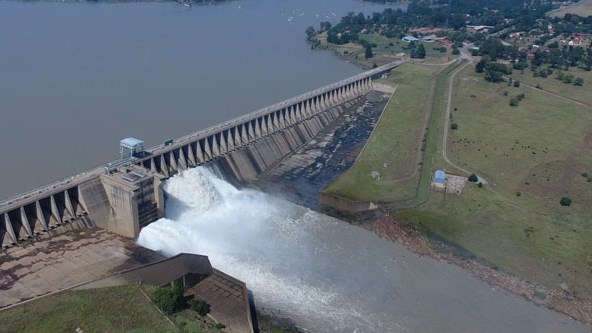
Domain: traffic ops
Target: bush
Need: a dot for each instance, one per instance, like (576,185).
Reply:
(578,81)
(170,300)
(199,306)
(516,83)
(454,126)
(219,326)
(514,102)
(565,201)
(473,178)
(480,185)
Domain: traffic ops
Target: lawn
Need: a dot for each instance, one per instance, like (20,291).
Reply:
(395,147)
(531,155)
(551,84)
(115,309)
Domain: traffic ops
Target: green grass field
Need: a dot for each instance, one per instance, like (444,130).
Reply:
(551,84)
(395,147)
(583,8)
(531,155)
(115,309)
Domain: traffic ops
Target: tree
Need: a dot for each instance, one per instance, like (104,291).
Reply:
(578,81)
(473,178)
(492,47)
(565,201)
(516,83)
(480,67)
(494,71)
(199,306)
(310,33)
(454,126)
(170,300)
(514,101)
(368,52)
(325,26)
(420,52)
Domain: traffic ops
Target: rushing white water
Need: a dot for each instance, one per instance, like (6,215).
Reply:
(327,275)
(259,239)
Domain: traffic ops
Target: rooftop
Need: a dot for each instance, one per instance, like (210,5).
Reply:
(131,142)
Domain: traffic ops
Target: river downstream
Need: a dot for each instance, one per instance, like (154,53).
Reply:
(327,275)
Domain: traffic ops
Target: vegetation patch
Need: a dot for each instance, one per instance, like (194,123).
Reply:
(395,147)
(115,309)
(533,157)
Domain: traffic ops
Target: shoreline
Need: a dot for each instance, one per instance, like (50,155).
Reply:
(383,224)
(562,301)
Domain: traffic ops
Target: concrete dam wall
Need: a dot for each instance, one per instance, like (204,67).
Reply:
(246,164)
(127,194)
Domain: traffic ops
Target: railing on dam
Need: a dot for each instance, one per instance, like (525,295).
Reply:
(27,215)
(294,100)
(211,143)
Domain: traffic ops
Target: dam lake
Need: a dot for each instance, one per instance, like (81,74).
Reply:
(78,77)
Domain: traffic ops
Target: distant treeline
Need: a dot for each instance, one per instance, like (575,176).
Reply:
(454,14)
(505,16)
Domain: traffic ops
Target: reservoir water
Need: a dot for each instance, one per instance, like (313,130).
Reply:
(327,275)
(78,77)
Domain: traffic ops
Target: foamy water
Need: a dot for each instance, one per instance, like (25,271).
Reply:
(260,240)
(325,274)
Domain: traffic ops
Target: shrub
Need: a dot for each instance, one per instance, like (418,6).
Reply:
(514,102)
(454,126)
(480,184)
(473,178)
(219,326)
(565,201)
(170,300)
(199,306)
(516,83)
(578,81)
(518,193)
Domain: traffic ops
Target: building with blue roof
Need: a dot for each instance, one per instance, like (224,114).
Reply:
(440,176)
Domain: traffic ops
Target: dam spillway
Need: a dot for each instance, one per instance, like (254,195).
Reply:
(127,194)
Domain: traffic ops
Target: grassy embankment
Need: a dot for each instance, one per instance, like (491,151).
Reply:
(532,154)
(386,50)
(583,8)
(117,309)
(396,146)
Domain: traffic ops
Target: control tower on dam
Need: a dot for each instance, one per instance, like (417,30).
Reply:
(127,194)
